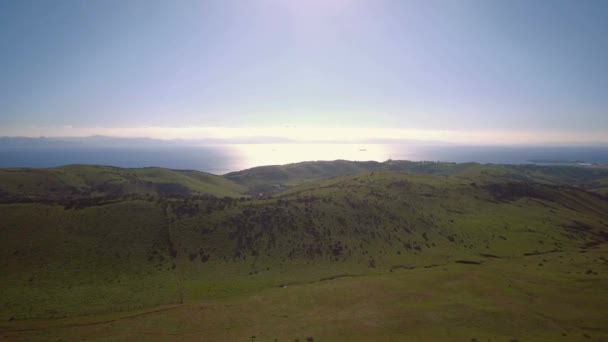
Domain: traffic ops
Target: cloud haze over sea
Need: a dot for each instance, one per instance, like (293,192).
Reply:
(311,134)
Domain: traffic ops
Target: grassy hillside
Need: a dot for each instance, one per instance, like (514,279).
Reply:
(87,181)
(352,224)
(502,300)
(93,181)
(275,178)
(70,262)
(359,256)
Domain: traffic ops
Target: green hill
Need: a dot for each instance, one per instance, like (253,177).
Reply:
(92,181)
(275,178)
(457,243)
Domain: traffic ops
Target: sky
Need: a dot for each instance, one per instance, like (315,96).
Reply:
(483,72)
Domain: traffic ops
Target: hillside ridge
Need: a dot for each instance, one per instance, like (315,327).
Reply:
(143,250)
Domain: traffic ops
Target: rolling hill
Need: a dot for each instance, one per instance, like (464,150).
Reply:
(275,178)
(93,181)
(367,249)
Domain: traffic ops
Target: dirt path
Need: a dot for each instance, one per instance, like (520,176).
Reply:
(59,323)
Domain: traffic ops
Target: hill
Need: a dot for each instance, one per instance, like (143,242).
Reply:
(451,254)
(275,178)
(107,182)
(93,181)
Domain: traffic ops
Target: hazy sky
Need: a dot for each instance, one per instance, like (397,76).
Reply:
(527,71)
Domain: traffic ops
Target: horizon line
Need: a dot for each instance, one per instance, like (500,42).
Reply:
(308,134)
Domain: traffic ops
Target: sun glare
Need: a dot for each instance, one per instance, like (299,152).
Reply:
(251,155)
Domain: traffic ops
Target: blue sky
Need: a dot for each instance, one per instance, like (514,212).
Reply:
(526,71)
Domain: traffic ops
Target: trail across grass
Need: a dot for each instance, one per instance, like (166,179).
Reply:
(500,300)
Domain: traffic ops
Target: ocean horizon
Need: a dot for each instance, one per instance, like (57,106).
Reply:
(221,159)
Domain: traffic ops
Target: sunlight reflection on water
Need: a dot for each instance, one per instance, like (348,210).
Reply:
(219,159)
(251,155)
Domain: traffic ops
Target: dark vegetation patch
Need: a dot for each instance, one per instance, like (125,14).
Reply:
(485,255)
(540,253)
(320,280)
(591,244)
(506,192)
(401,267)
(170,189)
(337,276)
(469,262)
(577,226)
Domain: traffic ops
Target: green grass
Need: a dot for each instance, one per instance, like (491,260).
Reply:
(85,181)
(275,178)
(501,300)
(358,224)
(82,261)
(365,256)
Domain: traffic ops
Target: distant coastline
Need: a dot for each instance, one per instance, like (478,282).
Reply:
(223,158)
(559,161)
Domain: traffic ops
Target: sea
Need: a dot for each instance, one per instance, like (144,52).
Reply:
(221,159)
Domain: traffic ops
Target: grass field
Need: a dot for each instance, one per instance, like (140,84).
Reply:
(500,300)
(475,254)
(90,181)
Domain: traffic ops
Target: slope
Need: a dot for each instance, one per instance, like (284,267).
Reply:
(91,181)
(276,178)
(105,258)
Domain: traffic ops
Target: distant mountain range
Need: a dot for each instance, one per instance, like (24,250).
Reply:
(105,141)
